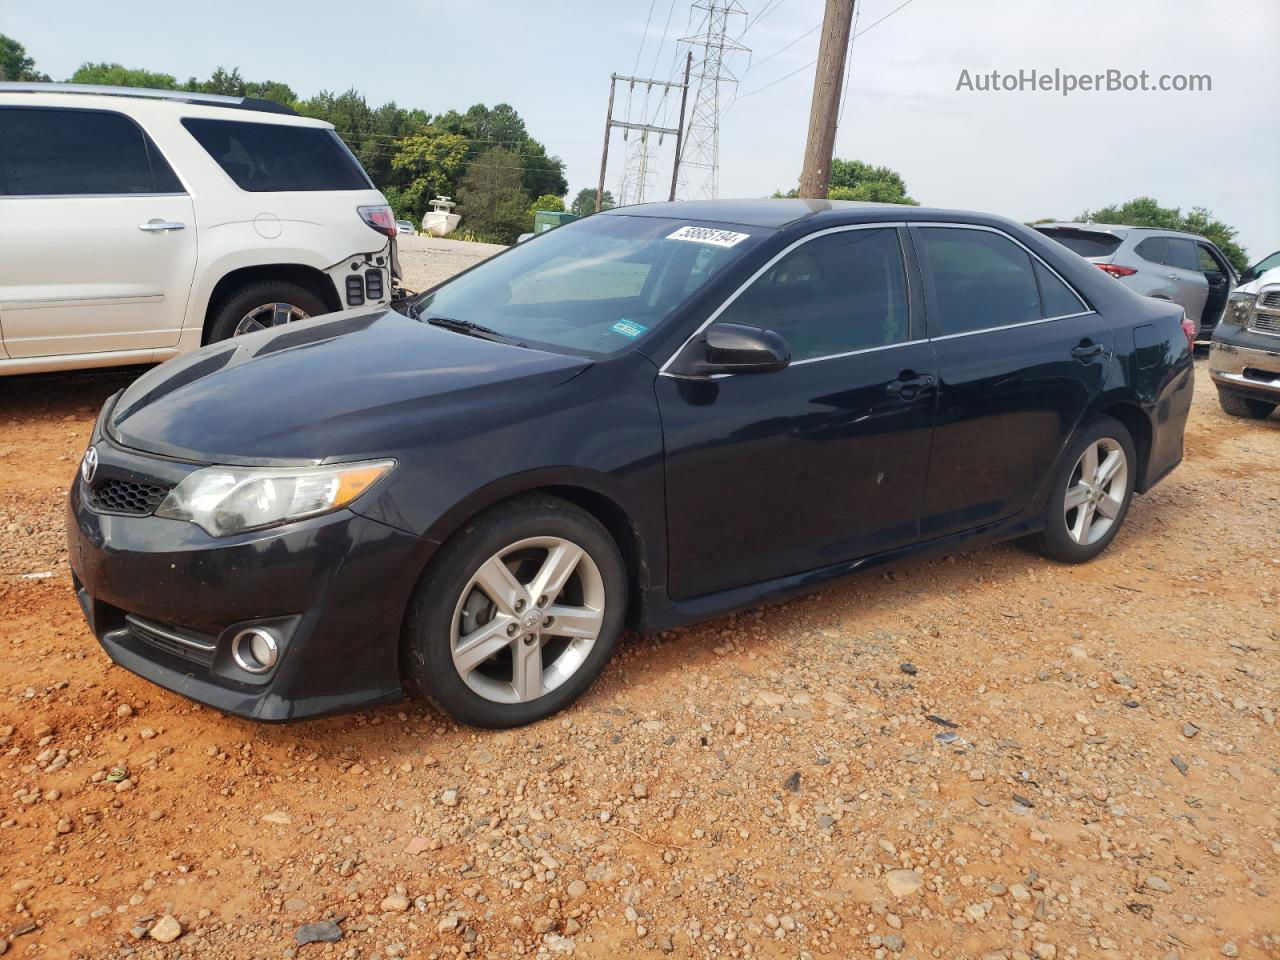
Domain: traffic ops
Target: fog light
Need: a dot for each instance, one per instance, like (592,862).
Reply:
(255,650)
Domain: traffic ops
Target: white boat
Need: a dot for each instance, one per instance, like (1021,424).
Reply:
(440,220)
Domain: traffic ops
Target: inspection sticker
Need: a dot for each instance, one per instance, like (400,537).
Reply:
(717,238)
(629,328)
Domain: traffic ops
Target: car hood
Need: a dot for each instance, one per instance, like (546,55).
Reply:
(338,387)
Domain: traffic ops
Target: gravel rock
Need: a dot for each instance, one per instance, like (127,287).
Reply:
(166,930)
(324,932)
(395,903)
(903,883)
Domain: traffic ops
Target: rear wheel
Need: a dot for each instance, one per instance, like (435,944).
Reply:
(1091,497)
(518,614)
(260,306)
(1238,406)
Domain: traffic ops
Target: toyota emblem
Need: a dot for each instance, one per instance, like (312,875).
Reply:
(89,465)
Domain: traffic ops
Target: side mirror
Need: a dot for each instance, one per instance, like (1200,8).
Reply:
(737,348)
(523,237)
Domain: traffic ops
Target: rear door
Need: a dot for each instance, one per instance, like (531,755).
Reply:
(1192,289)
(98,235)
(824,461)
(1020,357)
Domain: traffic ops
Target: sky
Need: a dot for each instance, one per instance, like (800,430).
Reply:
(1026,154)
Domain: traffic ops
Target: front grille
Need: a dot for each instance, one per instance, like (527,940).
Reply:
(174,641)
(1270,299)
(125,496)
(1265,323)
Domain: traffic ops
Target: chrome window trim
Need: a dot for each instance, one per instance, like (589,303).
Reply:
(715,314)
(85,196)
(1012,326)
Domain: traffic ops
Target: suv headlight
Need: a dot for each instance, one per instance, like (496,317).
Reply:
(227,500)
(1240,308)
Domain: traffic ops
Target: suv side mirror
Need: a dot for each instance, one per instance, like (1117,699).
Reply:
(736,348)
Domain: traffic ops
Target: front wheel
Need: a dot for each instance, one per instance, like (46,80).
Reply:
(518,614)
(261,306)
(1091,496)
(1248,407)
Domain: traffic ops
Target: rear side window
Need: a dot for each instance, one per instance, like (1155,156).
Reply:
(276,158)
(980,280)
(1153,250)
(1182,254)
(835,294)
(65,152)
(1057,299)
(1087,243)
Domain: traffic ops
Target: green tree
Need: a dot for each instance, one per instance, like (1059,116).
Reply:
(858,180)
(492,198)
(115,75)
(584,204)
(15,64)
(426,165)
(1146,212)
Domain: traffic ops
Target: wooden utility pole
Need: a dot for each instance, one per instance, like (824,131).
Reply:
(604,156)
(684,96)
(815,175)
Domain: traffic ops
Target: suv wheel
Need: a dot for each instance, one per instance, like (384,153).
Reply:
(259,306)
(1091,496)
(1239,406)
(518,614)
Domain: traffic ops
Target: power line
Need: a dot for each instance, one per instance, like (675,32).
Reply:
(643,37)
(855,36)
(767,9)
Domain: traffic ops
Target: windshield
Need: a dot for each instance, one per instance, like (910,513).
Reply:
(594,286)
(1086,243)
(1261,267)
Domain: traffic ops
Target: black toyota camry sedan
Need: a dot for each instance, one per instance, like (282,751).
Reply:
(648,417)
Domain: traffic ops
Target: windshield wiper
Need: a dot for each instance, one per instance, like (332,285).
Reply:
(471,329)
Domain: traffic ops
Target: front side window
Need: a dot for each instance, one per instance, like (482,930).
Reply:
(66,152)
(592,287)
(277,158)
(980,280)
(835,294)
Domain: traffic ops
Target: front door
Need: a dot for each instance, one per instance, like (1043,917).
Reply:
(1020,358)
(776,473)
(99,235)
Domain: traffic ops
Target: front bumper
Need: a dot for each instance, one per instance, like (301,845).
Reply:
(164,599)
(1252,371)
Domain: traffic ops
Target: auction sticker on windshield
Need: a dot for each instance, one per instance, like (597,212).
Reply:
(717,238)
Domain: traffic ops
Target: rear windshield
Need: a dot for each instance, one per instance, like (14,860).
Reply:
(1087,243)
(275,158)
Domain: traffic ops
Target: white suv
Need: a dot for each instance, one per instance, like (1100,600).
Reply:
(138,224)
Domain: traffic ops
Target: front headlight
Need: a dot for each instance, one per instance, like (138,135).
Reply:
(1240,308)
(227,500)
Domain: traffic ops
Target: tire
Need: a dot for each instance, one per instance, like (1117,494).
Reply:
(476,587)
(1240,406)
(236,309)
(1070,536)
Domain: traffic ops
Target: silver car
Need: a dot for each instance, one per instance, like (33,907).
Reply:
(1166,264)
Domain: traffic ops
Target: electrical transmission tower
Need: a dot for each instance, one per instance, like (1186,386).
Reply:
(701,161)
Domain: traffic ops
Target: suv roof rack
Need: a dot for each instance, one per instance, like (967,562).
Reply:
(180,96)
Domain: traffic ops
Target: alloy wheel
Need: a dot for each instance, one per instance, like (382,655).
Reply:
(527,619)
(1096,492)
(269,315)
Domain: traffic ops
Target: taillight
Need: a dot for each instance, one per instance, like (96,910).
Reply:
(1189,329)
(380,218)
(1116,271)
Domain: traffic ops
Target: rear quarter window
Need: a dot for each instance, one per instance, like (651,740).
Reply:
(278,158)
(1086,243)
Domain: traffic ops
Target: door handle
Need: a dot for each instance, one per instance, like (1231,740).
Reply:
(908,387)
(1086,350)
(1173,276)
(161,225)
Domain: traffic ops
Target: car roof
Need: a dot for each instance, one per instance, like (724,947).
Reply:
(782,212)
(1120,229)
(191,103)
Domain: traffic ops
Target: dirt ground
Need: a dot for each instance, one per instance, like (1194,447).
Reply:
(982,756)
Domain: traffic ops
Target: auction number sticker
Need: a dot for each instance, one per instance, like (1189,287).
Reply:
(717,238)
(629,328)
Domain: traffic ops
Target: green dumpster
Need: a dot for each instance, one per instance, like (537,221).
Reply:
(544,220)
